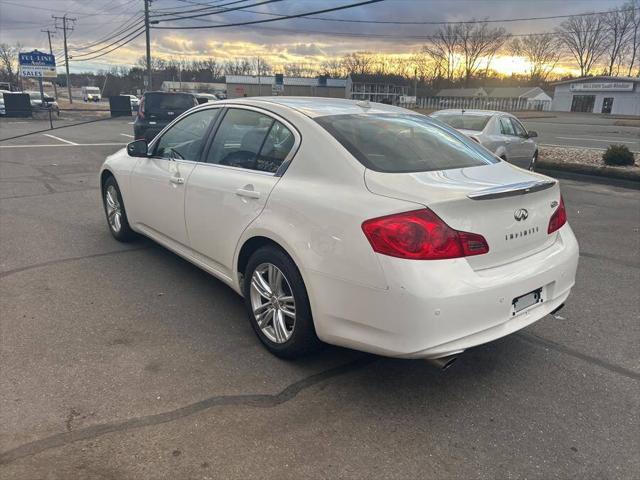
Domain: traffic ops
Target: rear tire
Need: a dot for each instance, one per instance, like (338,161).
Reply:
(277,303)
(115,211)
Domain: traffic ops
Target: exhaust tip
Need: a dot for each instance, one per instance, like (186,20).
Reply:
(443,363)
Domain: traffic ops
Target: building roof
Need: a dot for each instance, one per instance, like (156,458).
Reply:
(599,78)
(270,80)
(515,92)
(167,84)
(462,92)
(379,79)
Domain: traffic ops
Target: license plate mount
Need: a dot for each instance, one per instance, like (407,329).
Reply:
(527,300)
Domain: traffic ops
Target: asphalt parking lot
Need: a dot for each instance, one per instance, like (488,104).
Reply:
(127,362)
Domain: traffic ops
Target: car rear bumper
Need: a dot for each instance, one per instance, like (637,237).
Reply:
(433,309)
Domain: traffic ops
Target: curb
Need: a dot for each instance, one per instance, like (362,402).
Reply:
(599,171)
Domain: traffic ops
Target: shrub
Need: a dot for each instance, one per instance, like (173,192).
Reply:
(618,155)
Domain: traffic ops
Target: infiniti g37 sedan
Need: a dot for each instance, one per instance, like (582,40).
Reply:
(499,132)
(352,223)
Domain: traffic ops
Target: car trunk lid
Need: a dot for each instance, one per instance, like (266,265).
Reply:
(510,207)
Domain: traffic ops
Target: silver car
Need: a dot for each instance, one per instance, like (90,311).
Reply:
(499,132)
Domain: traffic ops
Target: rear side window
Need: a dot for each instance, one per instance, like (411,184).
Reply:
(462,121)
(506,128)
(162,102)
(252,140)
(518,128)
(404,143)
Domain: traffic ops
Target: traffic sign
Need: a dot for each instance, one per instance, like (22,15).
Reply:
(37,65)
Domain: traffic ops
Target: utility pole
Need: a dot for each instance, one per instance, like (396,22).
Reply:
(148,37)
(65,27)
(49,32)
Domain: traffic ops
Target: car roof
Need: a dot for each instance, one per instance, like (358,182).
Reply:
(464,111)
(317,106)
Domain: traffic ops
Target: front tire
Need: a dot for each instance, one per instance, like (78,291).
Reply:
(534,160)
(277,303)
(115,212)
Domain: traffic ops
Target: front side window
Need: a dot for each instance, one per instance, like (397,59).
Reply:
(240,139)
(506,128)
(185,139)
(404,143)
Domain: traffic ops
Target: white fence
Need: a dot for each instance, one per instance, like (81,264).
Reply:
(502,104)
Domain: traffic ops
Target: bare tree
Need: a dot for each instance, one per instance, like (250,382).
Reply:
(260,67)
(332,68)
(478,42)
(237,67)
(358,62)
(541,51)
(586,39)
(634,40)
(9,61)
(444,50)
(619,26)
(216,68)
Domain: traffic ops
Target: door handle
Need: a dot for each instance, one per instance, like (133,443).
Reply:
(177,180)
(243,192)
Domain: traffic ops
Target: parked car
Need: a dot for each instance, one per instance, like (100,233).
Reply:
(135,101)
(361,225)
(91,94)
(500,132)
(206,97)
(157,110)
(37,103)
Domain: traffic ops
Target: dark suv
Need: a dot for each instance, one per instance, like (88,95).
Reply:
(157,110)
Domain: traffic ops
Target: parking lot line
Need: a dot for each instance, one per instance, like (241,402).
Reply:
(63,145)
(126,135)
(59,139)
(598,139)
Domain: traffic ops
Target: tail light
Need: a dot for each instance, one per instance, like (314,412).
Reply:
(421,235)
(559,217)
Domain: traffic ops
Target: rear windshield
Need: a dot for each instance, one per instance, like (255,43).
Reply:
(464,121)
(404,143)
(162,102)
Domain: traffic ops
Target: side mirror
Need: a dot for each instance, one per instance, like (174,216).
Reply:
(138,148)
(532,134)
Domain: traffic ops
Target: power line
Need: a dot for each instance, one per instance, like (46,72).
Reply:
(128,26)
(78,56)
(219,10)
(113,49)
(286,17)
(208,7)
(401,22)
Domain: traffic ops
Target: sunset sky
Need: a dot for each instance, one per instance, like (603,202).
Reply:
(301,40)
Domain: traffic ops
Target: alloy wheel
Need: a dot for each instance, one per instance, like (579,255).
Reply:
(272,302)
(114,209)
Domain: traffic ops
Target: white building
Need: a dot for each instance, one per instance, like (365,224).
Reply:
(533,98)
(616,95)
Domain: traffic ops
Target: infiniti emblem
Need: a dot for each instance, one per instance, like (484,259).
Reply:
(521,214)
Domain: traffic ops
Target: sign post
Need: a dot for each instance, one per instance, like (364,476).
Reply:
(38,65)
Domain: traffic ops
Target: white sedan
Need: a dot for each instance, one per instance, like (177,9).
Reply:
(361,225)
(500,132)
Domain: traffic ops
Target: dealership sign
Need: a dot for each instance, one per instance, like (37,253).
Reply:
(37,65)
(601,87)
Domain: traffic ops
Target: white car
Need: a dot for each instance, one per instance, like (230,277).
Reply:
(361,225)
(500,132)
(135,101)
